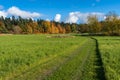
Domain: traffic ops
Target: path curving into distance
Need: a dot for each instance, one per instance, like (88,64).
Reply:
(82,63)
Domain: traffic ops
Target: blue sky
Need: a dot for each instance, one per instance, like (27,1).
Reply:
(66,10)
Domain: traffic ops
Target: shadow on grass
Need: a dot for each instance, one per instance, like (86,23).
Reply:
(100,69)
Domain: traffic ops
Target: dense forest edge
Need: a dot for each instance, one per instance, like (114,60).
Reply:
(17,25)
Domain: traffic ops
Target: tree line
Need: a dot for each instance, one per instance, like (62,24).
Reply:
(109,26)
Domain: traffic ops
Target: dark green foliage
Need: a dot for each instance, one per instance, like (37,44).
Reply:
(110,26)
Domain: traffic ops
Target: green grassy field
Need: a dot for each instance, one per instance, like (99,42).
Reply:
(110,53)
(47,57)
(23,55)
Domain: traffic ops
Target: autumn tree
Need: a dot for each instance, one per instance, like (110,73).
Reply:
(112,23)
(82,28)
(17,30)
(67,28)
(94,25)
(2,28)
(73,27)
(46,26)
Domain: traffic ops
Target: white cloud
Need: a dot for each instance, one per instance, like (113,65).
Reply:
(57,17)
(104,17)
(1,7)
(24,14)
(47,19)
(15,11)
(74,17)
(3,13)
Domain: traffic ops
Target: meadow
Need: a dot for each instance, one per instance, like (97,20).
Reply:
(22,54)
(110,53)
(59,57)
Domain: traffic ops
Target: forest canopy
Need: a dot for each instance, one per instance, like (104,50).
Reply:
(109,26)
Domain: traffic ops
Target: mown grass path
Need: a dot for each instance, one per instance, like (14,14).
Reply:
(72,70)
(86,64)
(51,66)
(98,62)
(33,57)
(109,48)
(75,58)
